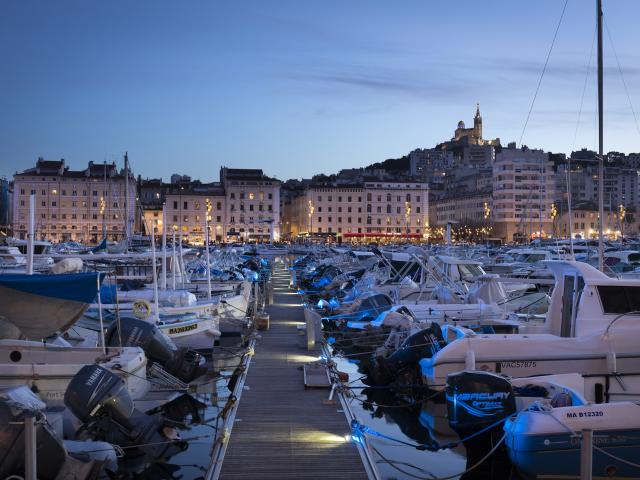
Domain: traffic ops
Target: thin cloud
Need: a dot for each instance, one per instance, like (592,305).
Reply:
(415,84)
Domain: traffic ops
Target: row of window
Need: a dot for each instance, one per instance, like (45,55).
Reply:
(197,218)
(73,216)
(373,230)
(73,204)
(196,205)
(71,227)
(370,196)
(232,208)
(370,220)
(218,219)
(250,196)
(74,193)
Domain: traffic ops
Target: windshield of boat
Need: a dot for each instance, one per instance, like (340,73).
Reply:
(530,257)
(634,257)
(619,299)
(468,270)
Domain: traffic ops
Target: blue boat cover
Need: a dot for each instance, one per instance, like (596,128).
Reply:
(79,287)
(108,293)
(101,247)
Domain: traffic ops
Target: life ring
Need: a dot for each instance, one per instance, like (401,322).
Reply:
(141,309)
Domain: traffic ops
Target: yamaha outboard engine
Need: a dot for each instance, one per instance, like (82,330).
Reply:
(100,400)
(477,400)
(423,344)
(183,363)
(53,460)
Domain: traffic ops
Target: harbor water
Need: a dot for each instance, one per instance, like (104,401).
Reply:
(411,420)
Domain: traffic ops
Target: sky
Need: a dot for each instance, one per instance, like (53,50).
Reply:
(302,87)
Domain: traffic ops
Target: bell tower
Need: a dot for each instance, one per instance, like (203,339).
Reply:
(477,123)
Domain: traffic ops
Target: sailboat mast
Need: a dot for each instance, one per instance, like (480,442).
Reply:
(600,142)
(126,199)
(104,201)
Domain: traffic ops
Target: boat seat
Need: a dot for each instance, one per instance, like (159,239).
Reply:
(561,399)
(531,390)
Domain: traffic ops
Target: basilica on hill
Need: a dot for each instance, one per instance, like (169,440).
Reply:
(469,136)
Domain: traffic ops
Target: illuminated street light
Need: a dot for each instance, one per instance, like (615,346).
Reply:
(311,209)
(407,216)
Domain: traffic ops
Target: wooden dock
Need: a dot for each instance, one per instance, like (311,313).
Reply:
(282,430)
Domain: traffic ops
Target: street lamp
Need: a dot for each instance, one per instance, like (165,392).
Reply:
(311,209)
(554,214)
(207,217)
(486,214)
(407,216)
(622,213)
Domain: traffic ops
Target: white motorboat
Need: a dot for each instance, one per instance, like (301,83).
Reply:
(181,317)
(591,328)
(48,368)
(12,259)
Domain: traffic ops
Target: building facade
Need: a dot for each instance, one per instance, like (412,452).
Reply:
(251,206)
(523,192)
(371,209)
(471,209)
(581,175)
(243,206)
(585,223)
(425,162)
(187,207)
(74,205)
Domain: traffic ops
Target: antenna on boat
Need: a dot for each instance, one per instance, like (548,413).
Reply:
(600,142)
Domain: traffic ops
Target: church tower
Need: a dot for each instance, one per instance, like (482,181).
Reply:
(477,123)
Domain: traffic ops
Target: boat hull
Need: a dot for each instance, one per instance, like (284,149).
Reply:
(197,333)
(548,443)
(41,305)
(48,370)
(559,455)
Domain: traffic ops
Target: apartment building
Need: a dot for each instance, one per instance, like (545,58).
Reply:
(620,182)
(74,205)
(369,209)
(252,205)
(187,207)
(584,222)
(471,209)
(243,206)
(523,192)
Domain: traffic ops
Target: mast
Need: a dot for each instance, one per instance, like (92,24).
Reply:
(541,195)
(569,211)
(126,199)
(104,201)
(31,233)
(600,142)
(163,279)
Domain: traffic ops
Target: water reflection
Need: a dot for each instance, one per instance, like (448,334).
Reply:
(419,418)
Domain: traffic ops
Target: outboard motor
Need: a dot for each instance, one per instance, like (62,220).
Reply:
(53,460)
(423,344)
(100,400)
(476,400)
(183,363)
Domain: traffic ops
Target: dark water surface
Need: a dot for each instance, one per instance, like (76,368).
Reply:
(412,419)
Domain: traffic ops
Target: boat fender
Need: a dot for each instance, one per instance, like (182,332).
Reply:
(141,309)
(470,360)
(612,362)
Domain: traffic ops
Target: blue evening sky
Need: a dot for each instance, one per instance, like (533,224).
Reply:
(299,87)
